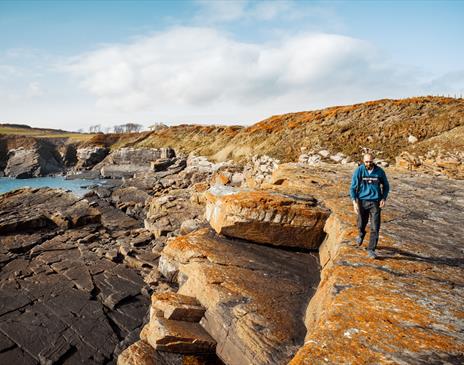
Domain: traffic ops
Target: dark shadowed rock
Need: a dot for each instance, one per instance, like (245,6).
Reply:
(61,300)
(90,156)
(40,159)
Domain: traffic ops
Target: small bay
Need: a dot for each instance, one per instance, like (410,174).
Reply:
(77,186)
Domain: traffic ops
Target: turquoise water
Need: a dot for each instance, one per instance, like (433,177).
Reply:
(76,186)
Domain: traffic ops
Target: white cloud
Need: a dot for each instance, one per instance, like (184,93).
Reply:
(192,69)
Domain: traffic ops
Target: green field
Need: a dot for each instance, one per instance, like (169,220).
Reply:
(44,133)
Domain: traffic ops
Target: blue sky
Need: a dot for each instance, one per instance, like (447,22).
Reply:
(72,64)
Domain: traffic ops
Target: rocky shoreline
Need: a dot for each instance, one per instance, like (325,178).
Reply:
(181,260)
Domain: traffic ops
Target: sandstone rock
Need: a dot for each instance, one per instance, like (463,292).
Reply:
(167,152)
(259,169)
(253,319)
(177,336)
(139,353)
(176,306)
(403,307)
(153,277)
(189,225)
(266,217)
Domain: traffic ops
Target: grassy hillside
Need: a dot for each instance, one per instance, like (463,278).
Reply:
(18,130)
(382,126)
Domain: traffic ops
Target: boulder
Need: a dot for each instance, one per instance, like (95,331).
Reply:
(161,164)
(266,217)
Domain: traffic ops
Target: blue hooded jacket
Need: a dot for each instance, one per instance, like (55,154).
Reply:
(365,186)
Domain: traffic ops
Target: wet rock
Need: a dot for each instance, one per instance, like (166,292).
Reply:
(266,217)
(44,208)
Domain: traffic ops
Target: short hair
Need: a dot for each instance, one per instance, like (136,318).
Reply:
(370,155)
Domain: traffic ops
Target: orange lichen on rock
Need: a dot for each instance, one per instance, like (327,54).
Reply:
(404,307)
(266,217)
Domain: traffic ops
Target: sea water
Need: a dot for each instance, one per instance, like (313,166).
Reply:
(77,186)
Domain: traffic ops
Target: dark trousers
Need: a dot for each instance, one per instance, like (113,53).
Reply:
(370,209)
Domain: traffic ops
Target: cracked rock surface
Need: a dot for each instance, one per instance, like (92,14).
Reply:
(64,296)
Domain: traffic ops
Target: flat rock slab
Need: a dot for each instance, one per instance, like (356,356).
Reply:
(177,336)
(176,307)
(32,209)
(405,307)
(266,217)
(255,295)
(61,301)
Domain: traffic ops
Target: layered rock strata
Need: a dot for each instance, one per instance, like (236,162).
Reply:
(266,217)
(253,319)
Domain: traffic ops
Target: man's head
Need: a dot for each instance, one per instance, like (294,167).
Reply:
(368,160)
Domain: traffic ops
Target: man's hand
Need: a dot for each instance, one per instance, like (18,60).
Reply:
(382,203)
(355,207)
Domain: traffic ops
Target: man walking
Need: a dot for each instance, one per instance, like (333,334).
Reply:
(369,190)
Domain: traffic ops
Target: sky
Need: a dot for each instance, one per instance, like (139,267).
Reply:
(73,64)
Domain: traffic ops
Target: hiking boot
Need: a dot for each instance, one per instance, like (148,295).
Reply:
(371,254)
(359,240)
